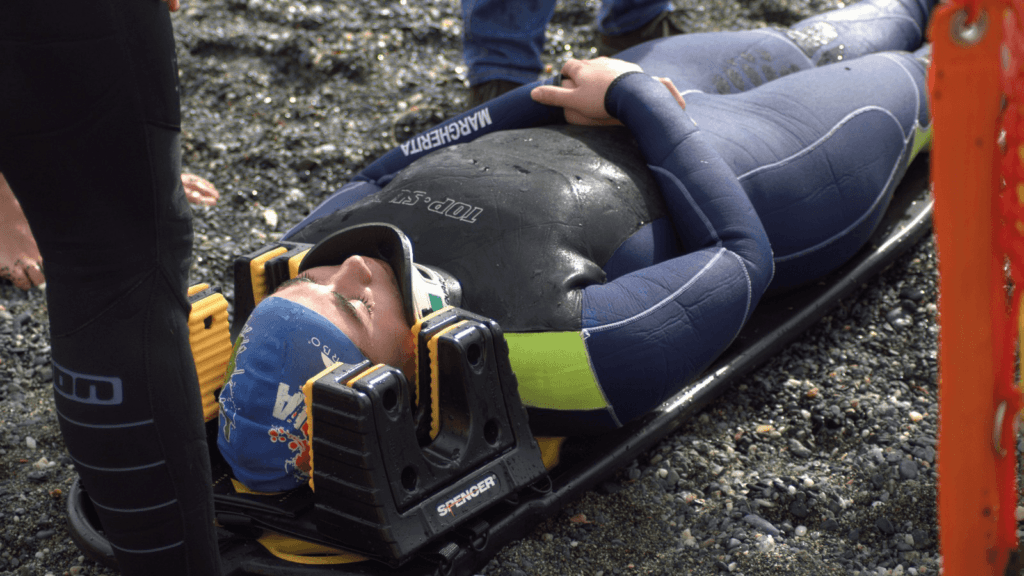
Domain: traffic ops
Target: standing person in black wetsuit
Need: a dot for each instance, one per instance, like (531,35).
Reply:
(89,129)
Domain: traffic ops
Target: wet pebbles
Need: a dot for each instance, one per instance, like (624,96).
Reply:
(821,462)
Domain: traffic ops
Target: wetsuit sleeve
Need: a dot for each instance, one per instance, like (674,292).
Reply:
(515,109)
(650,332)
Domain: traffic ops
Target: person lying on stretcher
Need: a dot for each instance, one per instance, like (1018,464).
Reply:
(618,261)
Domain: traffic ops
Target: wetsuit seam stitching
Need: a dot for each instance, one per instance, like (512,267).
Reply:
(836,237)
(689,200)
(585,335)
(102,312)
(820,141)
(750,288)
(664,301)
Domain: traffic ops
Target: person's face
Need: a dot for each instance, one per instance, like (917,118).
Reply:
(360,296)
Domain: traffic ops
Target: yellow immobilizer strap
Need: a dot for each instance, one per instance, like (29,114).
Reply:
(435,378)
(257,272)
(292,549)
(301,552)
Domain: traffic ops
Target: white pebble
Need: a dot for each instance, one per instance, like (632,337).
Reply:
(30,442)
(767,544)
(808,482)
(43,464)
(270,217)
(908,539)
(791,490)
(1019,513)
(898,570)
(801,530)
(916,416)
(662,473)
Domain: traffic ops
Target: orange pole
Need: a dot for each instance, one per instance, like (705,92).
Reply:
(965,90)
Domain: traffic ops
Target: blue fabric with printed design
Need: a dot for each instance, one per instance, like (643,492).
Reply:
(263,432)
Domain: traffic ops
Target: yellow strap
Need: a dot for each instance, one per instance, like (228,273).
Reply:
(258,273)
(294,262)
(307,392)
(301,552)
(550,450)
(243,489)
(435,378)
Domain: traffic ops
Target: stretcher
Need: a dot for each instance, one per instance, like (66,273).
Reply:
(396,497)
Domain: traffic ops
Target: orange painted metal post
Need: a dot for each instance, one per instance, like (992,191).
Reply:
(965,85)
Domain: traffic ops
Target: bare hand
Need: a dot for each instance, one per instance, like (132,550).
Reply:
(583,89)
(173,5)
(199,190)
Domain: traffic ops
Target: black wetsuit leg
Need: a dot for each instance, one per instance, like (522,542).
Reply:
(89,129)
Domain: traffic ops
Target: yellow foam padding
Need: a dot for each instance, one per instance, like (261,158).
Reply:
(293,263)
(197,288)
(550,449)
(416,348)
(301,552)
(211,346)
(553,371)
(435,378)
(258,273)
(307,393)
(243,489)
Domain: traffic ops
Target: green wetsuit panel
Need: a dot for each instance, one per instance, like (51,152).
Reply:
(553,371)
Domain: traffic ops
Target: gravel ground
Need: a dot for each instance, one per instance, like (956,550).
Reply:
(821,462)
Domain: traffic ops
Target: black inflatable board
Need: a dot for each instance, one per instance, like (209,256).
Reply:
(587,461)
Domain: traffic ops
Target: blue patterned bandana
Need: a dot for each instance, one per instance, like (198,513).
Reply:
(263,429)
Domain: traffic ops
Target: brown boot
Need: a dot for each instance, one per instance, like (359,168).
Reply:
(489,91)
(661,27)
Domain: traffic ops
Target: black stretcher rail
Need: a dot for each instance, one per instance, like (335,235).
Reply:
(586,462)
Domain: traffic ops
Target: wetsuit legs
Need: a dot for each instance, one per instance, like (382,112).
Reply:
(820,151)
(732,62)
(866,27)
(89,125)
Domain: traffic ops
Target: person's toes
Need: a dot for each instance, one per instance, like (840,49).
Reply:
(199,190)
(23,274)
(34,271)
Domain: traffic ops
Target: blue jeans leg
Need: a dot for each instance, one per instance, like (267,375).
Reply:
(618,17)
(502,40)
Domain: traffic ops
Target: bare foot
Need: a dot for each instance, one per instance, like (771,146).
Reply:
(199,190)
(20,261)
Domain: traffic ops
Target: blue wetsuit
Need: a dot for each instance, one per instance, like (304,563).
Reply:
(776,163)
